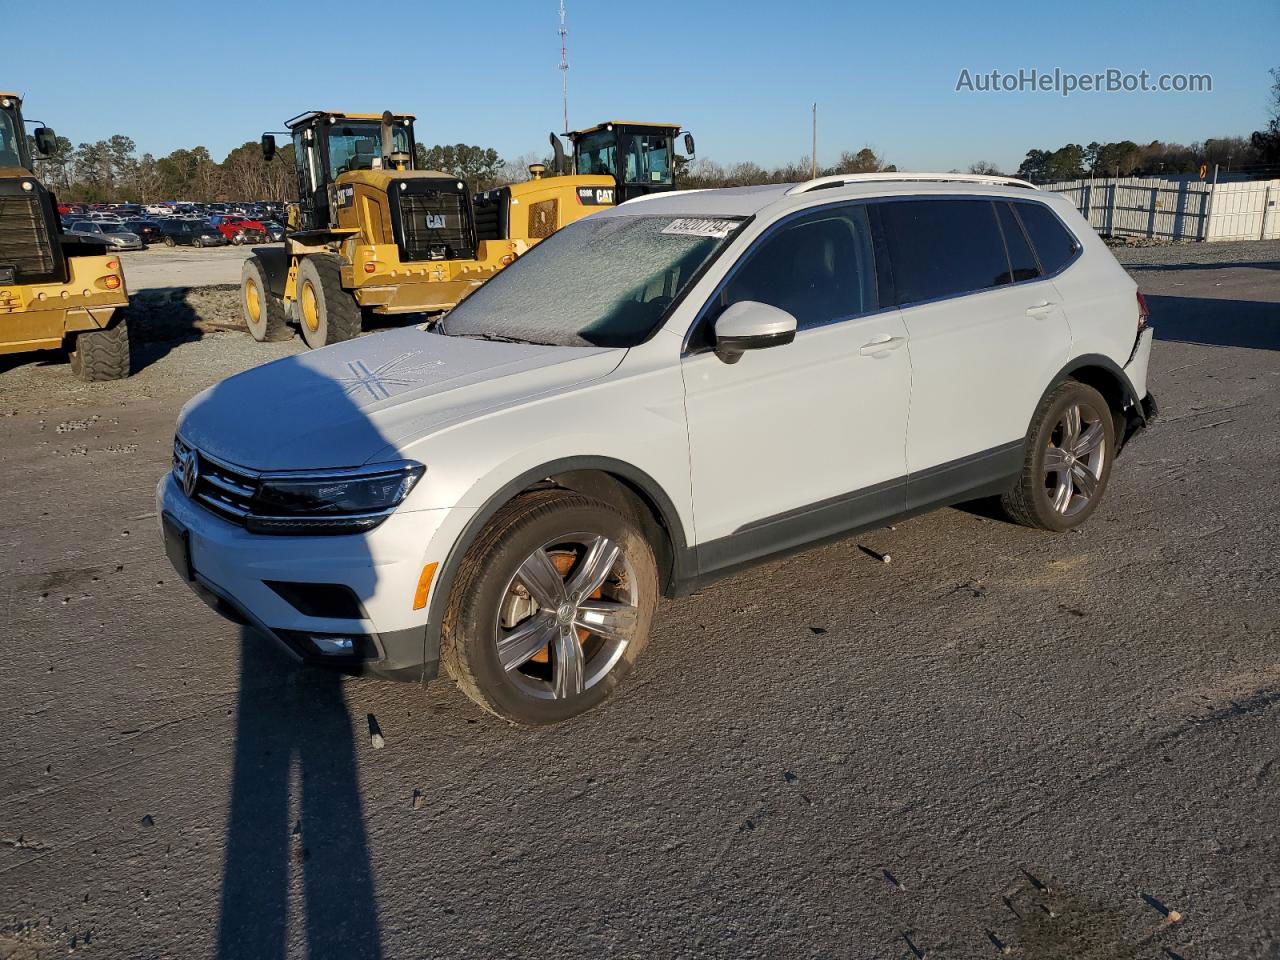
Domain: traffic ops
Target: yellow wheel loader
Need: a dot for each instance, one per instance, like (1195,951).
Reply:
(370,234)
(56,292)
(612,162)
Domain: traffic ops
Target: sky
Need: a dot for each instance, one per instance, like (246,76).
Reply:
(740,75)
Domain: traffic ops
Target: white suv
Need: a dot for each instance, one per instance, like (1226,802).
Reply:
(652,397)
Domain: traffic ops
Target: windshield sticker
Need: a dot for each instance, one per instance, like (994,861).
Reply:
(691,227)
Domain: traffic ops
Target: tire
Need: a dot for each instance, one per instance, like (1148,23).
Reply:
(1062,478)
(263,314)
(528,683)
(170,242)
(97,355)
(197,242)
(326,312)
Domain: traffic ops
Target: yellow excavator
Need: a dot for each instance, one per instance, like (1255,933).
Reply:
(371,234)
(611,163)
(56,292)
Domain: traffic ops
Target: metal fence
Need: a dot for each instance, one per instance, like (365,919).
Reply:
(1177,209)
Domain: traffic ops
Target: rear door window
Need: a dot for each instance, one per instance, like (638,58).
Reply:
(1053,243)
(819,267)
(1022,262)
(942,247)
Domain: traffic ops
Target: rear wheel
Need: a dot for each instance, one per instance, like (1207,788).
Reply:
(101,354)
(1070,446)
(170,242)
(327,313)
(197,242)
(550,609)
(263,314)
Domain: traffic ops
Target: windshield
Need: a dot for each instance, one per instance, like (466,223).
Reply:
(356,146)
(114,228)
(602,281)
(646,157)
(9,132)
(597,154)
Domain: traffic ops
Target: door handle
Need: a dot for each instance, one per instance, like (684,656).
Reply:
(880,345)
(1041,309)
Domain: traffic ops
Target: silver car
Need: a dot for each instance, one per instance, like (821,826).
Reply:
(114,235)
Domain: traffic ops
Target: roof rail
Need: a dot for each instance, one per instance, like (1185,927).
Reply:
(846,179)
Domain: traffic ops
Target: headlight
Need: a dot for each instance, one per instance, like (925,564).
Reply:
(331,502)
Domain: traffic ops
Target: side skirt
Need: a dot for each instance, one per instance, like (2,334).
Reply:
(985,474)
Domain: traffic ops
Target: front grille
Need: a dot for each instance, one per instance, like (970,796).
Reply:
(26,242)
(435,225)
(220,488)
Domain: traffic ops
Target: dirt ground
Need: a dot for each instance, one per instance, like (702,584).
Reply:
(1001,743)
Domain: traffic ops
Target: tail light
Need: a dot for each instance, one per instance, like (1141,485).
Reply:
(1144,314)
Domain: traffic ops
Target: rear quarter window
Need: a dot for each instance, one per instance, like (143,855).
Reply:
(942,247)
(1054,243)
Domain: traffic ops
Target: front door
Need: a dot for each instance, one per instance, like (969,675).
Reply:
(797,442)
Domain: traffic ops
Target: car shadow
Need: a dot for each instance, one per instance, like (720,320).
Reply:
(1221,323)
(293,726)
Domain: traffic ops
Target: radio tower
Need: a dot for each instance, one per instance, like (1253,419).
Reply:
(564,67)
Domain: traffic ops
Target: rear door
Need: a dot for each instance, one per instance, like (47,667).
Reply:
(987,334)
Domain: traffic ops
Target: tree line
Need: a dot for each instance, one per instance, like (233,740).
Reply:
(111,171)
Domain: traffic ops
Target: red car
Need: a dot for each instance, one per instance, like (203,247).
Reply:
(242,230)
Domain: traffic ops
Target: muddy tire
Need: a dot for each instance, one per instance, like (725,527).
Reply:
(97,355)
(326,312)
(263,314)
(1070,446)
(550,609)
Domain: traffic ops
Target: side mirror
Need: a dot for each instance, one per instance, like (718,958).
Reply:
(268,147)
(688,144)
(750,325)
(46,141)
(557,149)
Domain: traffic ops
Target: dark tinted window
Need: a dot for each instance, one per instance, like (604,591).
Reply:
(942,248)
(1054,244)
(819,268)
(1022,261)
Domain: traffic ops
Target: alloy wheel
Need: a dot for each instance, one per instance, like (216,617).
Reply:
(566,616)
(1074,459)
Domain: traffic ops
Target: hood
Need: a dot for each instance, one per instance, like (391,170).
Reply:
(344,405)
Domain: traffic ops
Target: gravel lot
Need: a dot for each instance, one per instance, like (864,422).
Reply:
(161,267)
(1002,739)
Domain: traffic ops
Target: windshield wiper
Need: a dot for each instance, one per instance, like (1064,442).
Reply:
(500,338)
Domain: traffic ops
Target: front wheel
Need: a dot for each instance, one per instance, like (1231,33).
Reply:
(550,609)
(1070,445)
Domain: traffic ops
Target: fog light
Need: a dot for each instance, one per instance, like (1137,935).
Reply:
(334,646)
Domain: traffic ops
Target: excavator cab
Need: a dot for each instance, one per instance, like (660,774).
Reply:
(639,157)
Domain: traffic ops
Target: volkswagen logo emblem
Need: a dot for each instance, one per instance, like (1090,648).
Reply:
(189,471)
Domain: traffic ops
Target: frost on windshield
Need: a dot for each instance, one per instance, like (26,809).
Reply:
(602,281)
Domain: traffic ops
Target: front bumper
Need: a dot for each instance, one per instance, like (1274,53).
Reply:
(230,569)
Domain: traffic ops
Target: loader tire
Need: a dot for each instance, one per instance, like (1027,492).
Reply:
(263,314)
(97,355)
(327,313)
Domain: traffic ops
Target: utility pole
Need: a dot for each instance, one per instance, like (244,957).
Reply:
(564,67)
(813,155)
